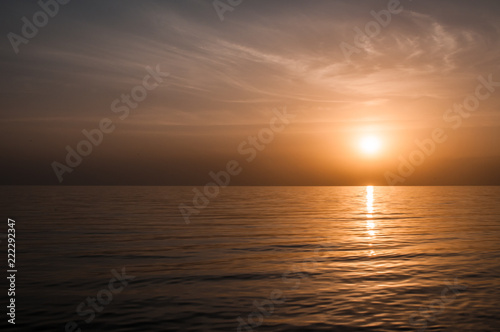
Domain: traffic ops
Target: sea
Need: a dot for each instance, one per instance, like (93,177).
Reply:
(117,258)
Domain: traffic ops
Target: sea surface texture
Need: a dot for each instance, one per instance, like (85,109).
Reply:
(254,259)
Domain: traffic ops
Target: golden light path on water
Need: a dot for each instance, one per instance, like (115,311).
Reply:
(370,224)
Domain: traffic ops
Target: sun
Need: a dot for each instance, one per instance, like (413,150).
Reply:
(370,145)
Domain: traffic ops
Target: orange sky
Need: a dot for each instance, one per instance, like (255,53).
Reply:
(225,78)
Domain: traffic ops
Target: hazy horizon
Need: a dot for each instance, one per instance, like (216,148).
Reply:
(210,84)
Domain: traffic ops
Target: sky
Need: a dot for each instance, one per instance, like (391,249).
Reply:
(421,79)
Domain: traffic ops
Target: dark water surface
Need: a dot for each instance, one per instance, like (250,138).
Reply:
(257,258)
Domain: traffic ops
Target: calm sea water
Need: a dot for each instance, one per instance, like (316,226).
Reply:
(257,258)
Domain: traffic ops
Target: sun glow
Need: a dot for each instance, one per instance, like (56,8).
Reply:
(370,145)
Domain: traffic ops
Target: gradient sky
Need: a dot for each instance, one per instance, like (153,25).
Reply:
(225,79)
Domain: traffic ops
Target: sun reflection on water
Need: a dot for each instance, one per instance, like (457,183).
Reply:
(370,224)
